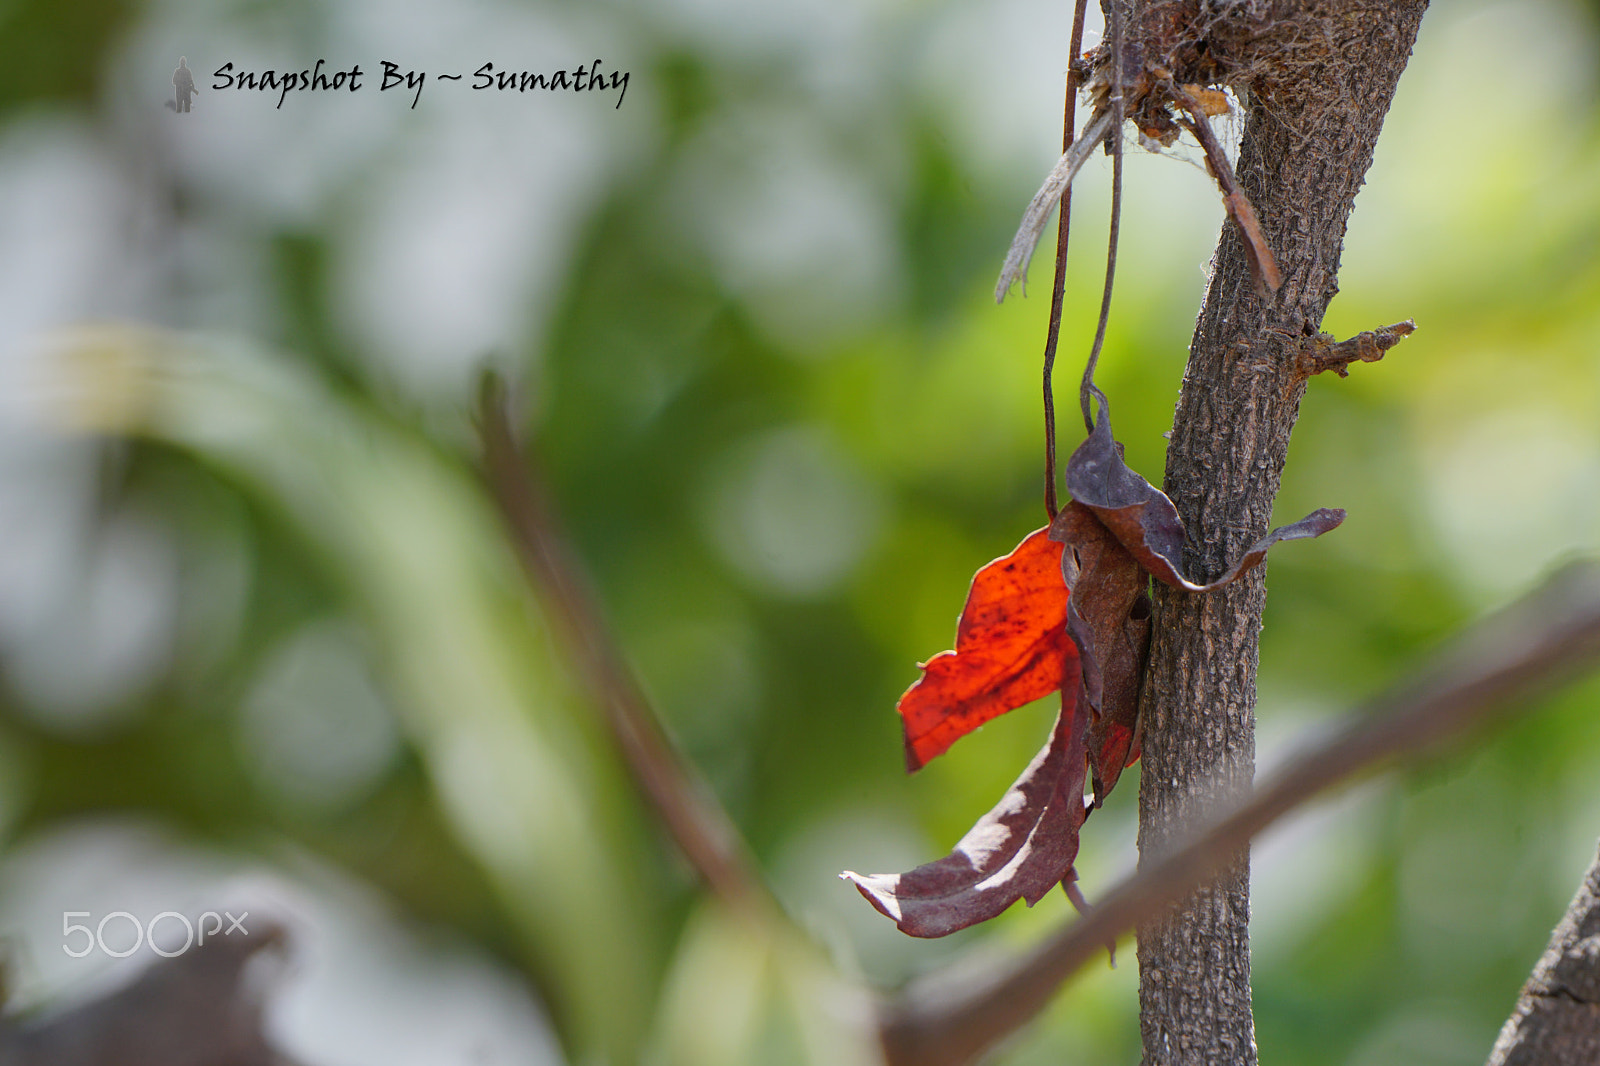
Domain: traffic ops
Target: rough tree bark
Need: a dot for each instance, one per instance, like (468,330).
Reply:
(1322,77)
(1557,1019)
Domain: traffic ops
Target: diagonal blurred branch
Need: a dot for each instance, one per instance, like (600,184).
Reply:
(1498,665)
(698,824)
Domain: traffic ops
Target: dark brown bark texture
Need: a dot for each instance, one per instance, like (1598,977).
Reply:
(1557,1019)
(1320,76)
(198,1008)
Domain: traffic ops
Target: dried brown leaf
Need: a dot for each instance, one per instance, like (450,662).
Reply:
(1144,520)
(1021,849)
(1108,618)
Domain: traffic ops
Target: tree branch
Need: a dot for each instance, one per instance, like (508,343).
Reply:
(698,824)
(1319,76)
(1557,1018)
(1499,665)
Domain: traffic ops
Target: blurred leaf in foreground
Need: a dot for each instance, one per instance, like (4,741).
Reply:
(525,777)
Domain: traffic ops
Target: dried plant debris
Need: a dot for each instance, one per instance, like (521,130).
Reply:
(1045,200)
(1263,264)
(1068,608)
(1176,62)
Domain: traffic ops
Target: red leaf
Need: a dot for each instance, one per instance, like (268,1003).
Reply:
(1021,849)
(1011,648)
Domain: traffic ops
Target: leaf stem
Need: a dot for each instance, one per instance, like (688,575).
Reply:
(1117,108)
(1069,128)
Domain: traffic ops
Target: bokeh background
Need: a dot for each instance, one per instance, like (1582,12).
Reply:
(262,643)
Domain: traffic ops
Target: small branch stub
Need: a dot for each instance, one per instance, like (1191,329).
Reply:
(1322,352)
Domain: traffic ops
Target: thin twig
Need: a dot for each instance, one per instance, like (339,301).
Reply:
(1263,264)
(697,823)
(1069,127)
(1547,637)
(1117,105)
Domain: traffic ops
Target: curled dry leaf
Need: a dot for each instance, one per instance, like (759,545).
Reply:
(1144,520)
(1118,532)
(1069,608)
(1012,647)
(1021,849)
(1108,619)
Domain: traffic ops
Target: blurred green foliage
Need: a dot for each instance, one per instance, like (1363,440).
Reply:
(781,496)
(52,48)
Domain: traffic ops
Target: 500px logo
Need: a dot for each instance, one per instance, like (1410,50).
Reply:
(194,932)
